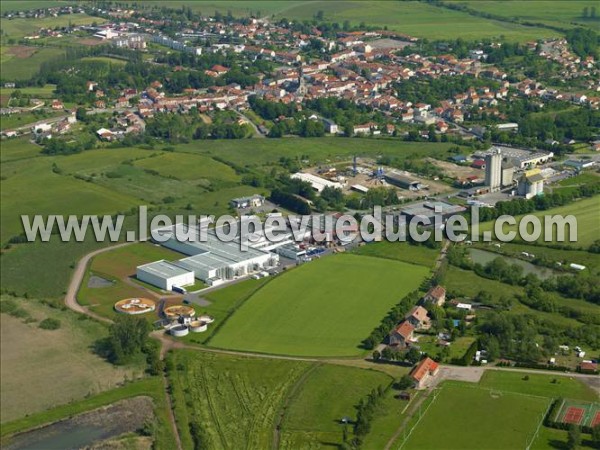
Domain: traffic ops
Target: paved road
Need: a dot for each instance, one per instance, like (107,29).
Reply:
(257,133)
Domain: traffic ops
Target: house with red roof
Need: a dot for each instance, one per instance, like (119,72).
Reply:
(418,318)
(424,372)
(402,335)
(436,295)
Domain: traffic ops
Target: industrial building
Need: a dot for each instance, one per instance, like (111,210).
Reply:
(253,201)
(211,260)
(531,184)
(164,275)
(317,183)
(428,210)
(493,169)
(402,180)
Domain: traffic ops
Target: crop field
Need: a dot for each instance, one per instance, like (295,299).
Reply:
(105,59)
(323,308)
(561,13)
(313,418)
(35,92)
(234,400)
(33,360)
(416,19)
(468,417)
(27,118)
(586,211)
(400,251)
(17,65)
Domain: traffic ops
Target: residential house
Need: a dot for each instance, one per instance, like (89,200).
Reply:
(424,372)
(418,318)
(402,335)
(436,296)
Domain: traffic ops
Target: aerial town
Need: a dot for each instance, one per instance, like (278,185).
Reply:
(127,125)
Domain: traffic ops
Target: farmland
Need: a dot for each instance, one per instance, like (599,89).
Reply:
(238,401)
(34,359)
(18,28)
(312,418)
(325,308)
(18,149)
(561,13)
(19,66)
(495,413)
(401,251)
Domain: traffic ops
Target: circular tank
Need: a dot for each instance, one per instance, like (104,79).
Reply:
(198,327)
(175,311)
(135,306)
(206,318)
(179,330)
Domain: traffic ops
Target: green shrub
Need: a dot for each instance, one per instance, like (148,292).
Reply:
(50,324)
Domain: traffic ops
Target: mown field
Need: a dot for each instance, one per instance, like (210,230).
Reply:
(323,308)
(19,148)
(34,361)
(586,211)
(466,417)
(401,251)
(18,28)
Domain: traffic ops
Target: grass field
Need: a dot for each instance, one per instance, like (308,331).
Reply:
(586,211)
(21,68)
(19,148)
(467,417)
(106,59)
(118,265)
(24,119)
(324,308)
(33,376)
(18,28)
(313,418)
(185,166)
(400,251)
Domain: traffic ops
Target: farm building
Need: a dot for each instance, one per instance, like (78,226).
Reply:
(164,275)
(424,372)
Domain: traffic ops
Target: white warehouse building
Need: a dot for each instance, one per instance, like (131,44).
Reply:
(165,275)
(214,261)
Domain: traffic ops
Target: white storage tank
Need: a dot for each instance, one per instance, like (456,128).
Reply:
(198,327)
(179,330)
(206,318)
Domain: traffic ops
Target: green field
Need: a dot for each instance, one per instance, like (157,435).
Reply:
(184,166)
(312,418)
(18,28)
(233,400)
(324,308)
(560,13)
(401,251)
(411,17)
(586,211)
(16,68)
(18,148)
(24,119)
(237,402)
(467,417)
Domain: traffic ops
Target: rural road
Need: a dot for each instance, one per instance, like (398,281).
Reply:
(77,278)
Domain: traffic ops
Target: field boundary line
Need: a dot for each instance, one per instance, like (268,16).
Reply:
(537,430)
(436,392)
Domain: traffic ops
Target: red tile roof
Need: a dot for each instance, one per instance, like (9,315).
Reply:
(426,366)
(405,329)
(437,292)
